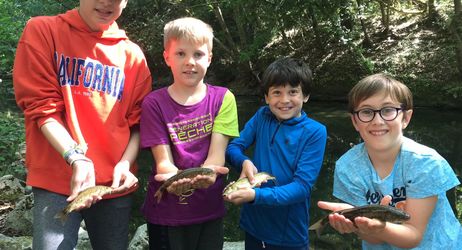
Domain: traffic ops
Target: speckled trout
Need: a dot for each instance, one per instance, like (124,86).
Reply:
(187,173)
(81,198)
(379,212)
(244,183)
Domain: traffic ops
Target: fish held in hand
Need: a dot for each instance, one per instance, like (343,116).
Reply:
(245,183)
(187,173)
(80,200)
(379,212)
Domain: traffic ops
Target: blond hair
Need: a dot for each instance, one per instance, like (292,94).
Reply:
(190,29)
(379,83)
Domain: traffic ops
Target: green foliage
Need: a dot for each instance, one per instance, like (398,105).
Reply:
(13,17)
(341,40)
(12,145)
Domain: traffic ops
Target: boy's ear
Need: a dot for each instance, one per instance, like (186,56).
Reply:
(266,99)
(306,98)
(166,58)
(407,115)
(354,122)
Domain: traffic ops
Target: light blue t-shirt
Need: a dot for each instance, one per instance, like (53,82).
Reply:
(419,172)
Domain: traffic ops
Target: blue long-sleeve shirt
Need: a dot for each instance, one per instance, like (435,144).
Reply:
(292,151)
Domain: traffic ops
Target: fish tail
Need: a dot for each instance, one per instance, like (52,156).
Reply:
(158,195)
(61,215)
(318,227)
(274,181)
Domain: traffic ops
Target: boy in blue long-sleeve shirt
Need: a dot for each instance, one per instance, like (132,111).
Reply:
(288,145)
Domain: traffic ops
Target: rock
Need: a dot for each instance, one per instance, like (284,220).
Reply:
(15,243)
(10,188)
(233,245)
(84,241)
(140,240)
(19,220)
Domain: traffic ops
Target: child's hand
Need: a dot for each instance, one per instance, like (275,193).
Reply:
(177,187)
(164,177)
(204,181)
(240,196)
(83,176)
(123,179)
(337,221)
(369,226)
(180,186)
(248,170)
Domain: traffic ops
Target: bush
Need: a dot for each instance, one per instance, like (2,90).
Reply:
(12,145)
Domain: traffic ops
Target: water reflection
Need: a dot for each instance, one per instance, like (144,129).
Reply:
(438,129)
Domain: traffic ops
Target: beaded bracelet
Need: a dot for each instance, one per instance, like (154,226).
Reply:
(77,157)
(72,150)
(75,154)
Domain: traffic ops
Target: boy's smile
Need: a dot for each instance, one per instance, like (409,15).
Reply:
(98,15)
(285,102)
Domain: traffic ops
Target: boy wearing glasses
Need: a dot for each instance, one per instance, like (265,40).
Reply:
(390,169)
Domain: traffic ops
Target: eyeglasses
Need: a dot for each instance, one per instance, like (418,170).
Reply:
(387,113)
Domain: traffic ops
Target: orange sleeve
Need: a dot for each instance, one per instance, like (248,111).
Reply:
(36,88)
(143,86)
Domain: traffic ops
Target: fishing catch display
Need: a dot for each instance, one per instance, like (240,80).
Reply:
(379,212)
(80,200)
(245,183)
(187,173)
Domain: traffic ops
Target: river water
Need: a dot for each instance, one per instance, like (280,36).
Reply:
(439,129)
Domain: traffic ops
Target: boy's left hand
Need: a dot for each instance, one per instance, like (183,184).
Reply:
(123,179)
(204,181)
(241,196)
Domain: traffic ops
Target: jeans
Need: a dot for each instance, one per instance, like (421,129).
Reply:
(106,222)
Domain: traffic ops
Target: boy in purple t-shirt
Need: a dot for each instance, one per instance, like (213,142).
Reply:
(187,124)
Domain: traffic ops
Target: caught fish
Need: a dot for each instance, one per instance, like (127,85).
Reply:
(81,199)
(379,212)
(187,173)
(244,183)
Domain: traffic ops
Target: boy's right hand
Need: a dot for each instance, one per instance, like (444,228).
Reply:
(248,170)
(241,196)
(164,177)
(83,177)
(360,225)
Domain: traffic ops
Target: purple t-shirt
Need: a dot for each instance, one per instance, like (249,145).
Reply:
(187,130)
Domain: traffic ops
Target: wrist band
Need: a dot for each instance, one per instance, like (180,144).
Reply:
(75,154)
(77,157)
(74,149)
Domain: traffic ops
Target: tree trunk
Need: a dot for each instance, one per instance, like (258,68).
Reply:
(431,9)
(385,10)
(221,20)
(367,41)
(456,27)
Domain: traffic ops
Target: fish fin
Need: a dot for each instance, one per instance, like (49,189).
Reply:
(275,181)
(229,185)
(318,226)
